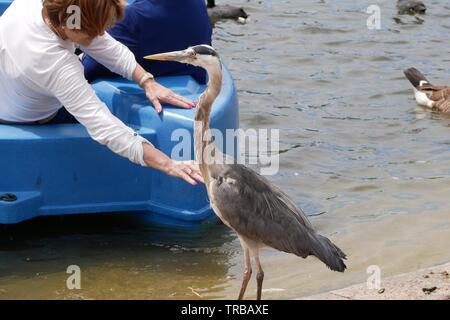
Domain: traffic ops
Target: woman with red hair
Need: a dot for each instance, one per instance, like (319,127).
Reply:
(40,73)
(151,27)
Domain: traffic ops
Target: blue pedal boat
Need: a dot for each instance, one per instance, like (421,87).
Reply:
(52,170)
(4,4)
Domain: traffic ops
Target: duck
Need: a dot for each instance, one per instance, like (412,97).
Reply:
(411,7)
(217,12)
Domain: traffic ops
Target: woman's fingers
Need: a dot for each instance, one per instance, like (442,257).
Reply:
(187,178)
(190,172)
(191,103)
(172,98)
(178,101)
(195,172)
(187,170)
(155,101)
(157,93)
(157,105)
(198,177)
(194,167)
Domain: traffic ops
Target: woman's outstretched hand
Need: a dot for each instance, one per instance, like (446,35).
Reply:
(187,170)
(158,94)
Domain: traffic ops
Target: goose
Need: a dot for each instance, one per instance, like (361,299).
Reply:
(428,95)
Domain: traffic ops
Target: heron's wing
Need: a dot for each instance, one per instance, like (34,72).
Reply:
(258,210)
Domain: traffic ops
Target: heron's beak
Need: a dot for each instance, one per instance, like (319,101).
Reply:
(179,56)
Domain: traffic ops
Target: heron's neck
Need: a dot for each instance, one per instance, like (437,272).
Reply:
(208,97)
(202,135)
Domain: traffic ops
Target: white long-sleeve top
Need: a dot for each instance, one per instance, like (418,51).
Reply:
(39,73)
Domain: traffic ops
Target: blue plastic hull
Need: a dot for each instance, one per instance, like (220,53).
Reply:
(4,4)
(59,169)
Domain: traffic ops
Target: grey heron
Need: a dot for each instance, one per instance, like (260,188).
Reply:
(257,210)
(411,7)
(428,95)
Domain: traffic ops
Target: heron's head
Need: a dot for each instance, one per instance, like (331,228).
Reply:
(201,56)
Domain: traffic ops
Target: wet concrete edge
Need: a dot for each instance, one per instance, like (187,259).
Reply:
(425,284)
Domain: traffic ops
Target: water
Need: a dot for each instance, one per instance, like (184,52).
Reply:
(370,167)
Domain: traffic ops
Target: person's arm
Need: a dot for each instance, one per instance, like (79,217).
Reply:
(127,32)
(94,70)
(71,88)
(119,59)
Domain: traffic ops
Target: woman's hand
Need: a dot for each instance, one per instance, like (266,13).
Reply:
(187,170)
(157,93)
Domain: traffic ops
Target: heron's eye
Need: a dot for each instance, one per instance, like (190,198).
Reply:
(193,54)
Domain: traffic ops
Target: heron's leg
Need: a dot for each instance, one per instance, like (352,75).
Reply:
(247,273)
(259,275)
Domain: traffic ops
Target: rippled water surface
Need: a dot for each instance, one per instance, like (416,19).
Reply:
(370,167)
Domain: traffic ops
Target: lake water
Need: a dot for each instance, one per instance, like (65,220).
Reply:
(369,166)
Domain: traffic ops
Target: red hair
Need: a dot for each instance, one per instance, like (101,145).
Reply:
(96,15)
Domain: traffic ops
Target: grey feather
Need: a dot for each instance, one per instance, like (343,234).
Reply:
(258,210)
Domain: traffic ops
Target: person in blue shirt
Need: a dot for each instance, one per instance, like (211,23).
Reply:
(154,26)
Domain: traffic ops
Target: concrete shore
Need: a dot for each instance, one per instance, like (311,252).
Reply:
(425,284)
